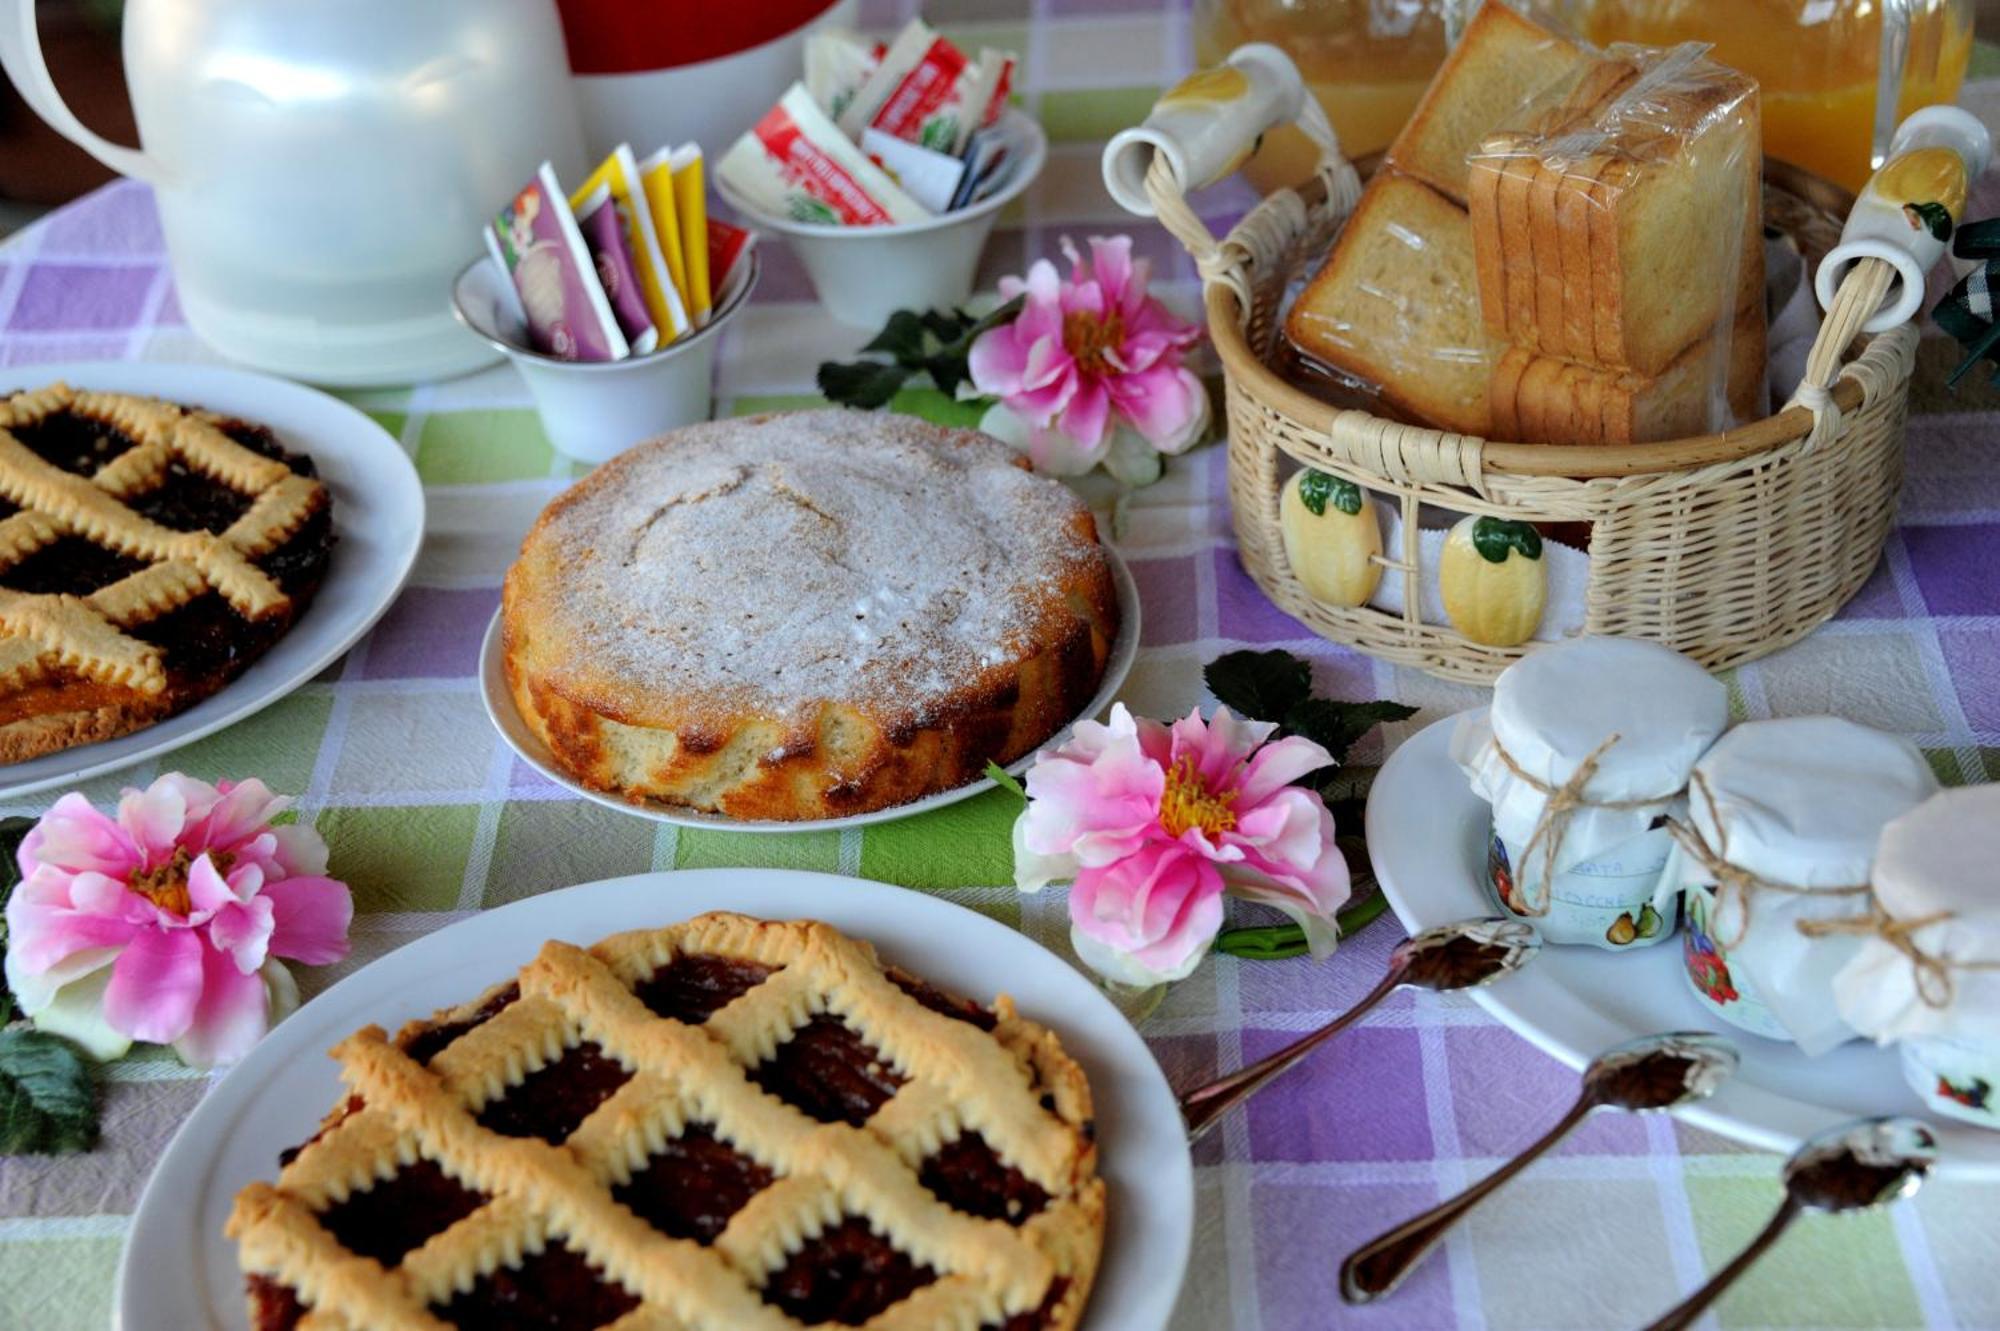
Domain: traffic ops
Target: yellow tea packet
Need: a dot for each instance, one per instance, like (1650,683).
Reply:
(691,203)
(657,173)
(620,174)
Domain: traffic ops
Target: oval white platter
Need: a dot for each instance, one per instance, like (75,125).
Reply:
(1427,837)
(177,1270)
(378,518)
(506,718)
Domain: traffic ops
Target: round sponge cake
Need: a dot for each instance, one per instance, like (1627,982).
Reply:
(805,615)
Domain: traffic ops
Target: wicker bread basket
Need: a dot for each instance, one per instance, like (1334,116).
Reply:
(1725,546)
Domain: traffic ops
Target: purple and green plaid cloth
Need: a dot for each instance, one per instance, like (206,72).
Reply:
(430,817)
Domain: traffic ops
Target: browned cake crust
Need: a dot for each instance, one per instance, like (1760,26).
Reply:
(148,554)
(807,615)
(730,1124)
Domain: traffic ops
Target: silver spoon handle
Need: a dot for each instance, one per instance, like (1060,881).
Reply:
(1201,1106)
(1375,1268)
(1686,1313)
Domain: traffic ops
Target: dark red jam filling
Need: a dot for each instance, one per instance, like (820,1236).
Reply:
(969,1176)
(829,1072)
(846,1275)
(553,1290)
(553,1100)
(694,1185)
(939,1001)
(74,442)
(69,565)
(432,1040)
(400,1213)
(692,988)
(1037,1317)
(187,500)
(273,1307)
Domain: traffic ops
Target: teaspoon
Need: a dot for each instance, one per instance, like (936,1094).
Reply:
(1854,1167)
(1452,956)
(1649,1075)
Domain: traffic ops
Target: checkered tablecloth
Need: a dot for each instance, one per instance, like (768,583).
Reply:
(430,817)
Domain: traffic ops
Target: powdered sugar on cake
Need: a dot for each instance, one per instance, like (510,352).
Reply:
(821,555)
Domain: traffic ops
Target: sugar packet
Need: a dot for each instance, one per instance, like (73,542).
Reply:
(536,241)
(796,163)
(597,219)
(619,173)
(657,178)
(926,90)
(691,205)
(727,245)
(931,178)
(837,64)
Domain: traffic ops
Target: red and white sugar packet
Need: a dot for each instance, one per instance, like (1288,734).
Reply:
(837,64)
(926,90)
(796,163)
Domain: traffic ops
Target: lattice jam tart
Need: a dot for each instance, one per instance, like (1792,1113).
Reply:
(806,615)
(148,554)
(729,1124)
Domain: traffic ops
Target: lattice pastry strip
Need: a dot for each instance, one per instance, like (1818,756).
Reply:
(676,1078)
(86,634)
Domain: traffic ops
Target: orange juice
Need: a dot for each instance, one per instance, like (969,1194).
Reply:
(1815,62)
(1367,62)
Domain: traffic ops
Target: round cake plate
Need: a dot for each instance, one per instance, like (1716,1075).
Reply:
(178,1270)
(506,718)
(1427,835)
(378,518)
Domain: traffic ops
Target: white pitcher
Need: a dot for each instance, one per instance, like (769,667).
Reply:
(323,167)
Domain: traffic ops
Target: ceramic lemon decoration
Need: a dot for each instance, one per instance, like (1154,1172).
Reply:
(1332,537)
(1493,580)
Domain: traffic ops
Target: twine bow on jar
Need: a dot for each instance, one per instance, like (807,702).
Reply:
(1935,985)
(1563,801)
(1733,883)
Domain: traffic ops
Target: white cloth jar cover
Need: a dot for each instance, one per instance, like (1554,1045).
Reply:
(1928,974)
(1632,717)
(1793,808)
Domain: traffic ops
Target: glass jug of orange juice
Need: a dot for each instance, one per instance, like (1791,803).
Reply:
(1837,76)
(1368,61)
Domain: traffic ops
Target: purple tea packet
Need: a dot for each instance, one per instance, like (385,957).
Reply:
(538,242)
(606,236)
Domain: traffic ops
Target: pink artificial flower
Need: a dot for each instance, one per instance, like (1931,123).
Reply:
(166,922)
(1087,356)
(1154,823)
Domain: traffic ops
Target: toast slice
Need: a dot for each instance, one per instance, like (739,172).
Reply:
(1502,63)
(1517,262)
(1396,304)
(1503,399)
(1489,255)
(1561,401)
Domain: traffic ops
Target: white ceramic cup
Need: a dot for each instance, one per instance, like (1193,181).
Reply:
(863,274)
(594,410)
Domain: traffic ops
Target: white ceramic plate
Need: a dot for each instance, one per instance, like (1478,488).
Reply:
(506,718)
(177,1271)
(378,515)
(1427,836)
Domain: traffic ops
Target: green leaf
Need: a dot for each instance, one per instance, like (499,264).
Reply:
(1335,725)
(1280,942)
(865,383)
(12,830)
(902,337)
(1263,686)
(1318,487)
(1004,779)
(48,1101)
(1494,537)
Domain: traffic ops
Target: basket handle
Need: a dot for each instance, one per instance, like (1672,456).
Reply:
(1201,130)
(1895,234)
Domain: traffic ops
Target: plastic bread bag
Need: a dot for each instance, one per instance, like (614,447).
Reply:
(536,240)
(1393,308)
(1617,239)
(796,163)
